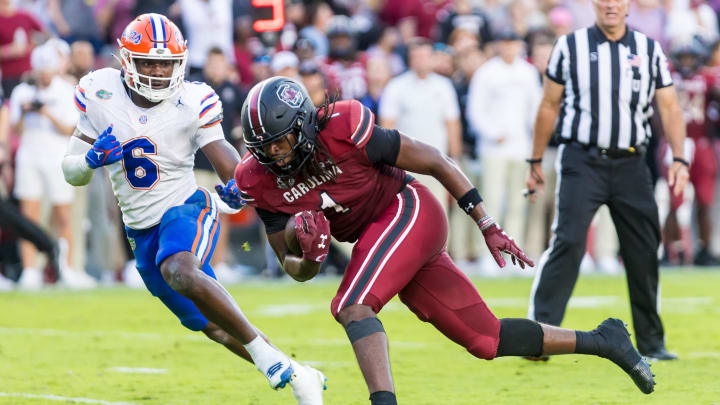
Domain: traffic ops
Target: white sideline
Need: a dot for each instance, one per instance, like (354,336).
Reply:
(64,399)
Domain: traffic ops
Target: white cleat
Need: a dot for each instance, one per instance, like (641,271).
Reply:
(308,385)
(279,374)
(31,279)
(77,280)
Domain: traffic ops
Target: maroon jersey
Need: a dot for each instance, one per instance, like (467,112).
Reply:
(350,79)
(361,192)
(694,98)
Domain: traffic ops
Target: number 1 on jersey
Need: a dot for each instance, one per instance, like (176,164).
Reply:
(328,202)
(140,171)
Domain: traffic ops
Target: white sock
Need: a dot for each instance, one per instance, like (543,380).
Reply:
(263,354)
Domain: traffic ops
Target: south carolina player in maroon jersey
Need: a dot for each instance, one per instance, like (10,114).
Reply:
(345,176)
(696,88)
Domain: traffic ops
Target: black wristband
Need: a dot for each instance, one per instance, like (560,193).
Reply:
(681,160)
(533,161)
(470,200)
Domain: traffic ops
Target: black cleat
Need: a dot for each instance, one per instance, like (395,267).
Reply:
(621,351)
(660,355)
(541,358)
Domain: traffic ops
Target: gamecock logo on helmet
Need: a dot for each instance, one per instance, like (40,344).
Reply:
(290,95)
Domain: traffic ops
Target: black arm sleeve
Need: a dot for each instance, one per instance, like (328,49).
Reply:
(274,221)
(383,146)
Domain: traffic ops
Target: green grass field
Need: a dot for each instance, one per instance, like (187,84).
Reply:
(115,345)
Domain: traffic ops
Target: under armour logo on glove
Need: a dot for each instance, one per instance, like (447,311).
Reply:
(105,151)
(312,230)
(499,242)
(321,245)
(230,194)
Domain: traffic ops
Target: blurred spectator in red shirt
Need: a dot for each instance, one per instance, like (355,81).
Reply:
(345,66)
(242,39)
(422,13)
(17,29)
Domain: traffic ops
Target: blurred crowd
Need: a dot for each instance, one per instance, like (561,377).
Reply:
(462,75)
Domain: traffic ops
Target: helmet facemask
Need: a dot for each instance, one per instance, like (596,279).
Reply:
(132,76)
(301,151)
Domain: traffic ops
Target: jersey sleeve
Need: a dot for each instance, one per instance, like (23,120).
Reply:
(82,103)
(664,78)
(555,70)
(362,121)
(274,221)
(210,114)
(244,180)
(383,146)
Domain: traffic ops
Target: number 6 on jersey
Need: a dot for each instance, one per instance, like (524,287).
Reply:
(140,171)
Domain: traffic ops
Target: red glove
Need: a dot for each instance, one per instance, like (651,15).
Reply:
(498,241)
(313,233)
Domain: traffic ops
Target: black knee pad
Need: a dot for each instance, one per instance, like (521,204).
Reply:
(520,337)
(357,330)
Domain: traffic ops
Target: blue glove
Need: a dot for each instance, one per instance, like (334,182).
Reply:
(230,194)
(106,150)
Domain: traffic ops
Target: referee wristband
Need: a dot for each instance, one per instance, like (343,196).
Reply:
(470,200)
(681,160)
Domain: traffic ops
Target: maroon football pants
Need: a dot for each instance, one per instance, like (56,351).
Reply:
(403,252)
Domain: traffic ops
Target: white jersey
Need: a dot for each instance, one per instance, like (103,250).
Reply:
(159,143)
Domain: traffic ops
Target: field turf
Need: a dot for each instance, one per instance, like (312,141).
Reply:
(120,346)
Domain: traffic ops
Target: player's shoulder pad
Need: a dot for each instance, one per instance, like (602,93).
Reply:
(204,101)
(351,122)
(248,177)
(97,85)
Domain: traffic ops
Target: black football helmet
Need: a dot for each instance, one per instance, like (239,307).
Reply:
(275,108)
(688,56)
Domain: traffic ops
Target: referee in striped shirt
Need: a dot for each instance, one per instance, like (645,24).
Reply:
(601,83)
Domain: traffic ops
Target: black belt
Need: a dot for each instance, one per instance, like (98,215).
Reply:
(610,153)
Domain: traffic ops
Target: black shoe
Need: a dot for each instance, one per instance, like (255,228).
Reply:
(541,358)
(538,358)
(660,354)
(704,258)
(621,351)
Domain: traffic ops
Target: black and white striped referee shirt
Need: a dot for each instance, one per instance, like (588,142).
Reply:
(609,86)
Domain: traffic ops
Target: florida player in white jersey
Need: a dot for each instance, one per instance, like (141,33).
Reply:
(144,124)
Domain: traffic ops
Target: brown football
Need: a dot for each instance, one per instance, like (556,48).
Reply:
(291,238)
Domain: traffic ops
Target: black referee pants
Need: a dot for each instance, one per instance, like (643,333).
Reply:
(586,181)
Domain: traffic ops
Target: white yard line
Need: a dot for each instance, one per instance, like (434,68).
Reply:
(139,370)
(51,397)
(701,355)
